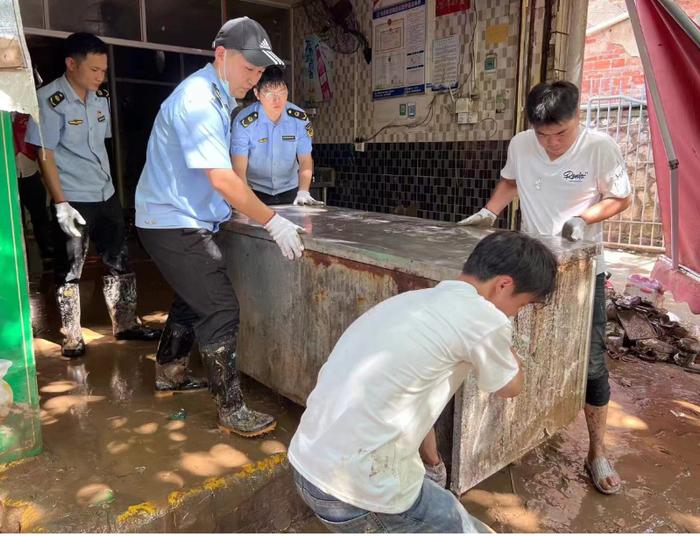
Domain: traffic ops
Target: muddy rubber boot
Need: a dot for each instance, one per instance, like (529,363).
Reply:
(172,361)
(68,297)
(120,297)
(225,385)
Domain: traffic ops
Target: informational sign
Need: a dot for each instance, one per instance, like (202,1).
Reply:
(445,63)
(490,63)
(445,7)
(318,59)
(398,49)
(496,34)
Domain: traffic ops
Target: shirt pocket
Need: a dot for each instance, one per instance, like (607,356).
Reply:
(288,147)
(100,125)
(75,131)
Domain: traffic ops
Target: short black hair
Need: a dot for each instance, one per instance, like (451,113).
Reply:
(272,76)
(80,44)
(552,102)
(528,261)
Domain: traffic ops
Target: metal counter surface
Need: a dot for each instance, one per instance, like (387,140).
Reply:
(426,248)
(293,312)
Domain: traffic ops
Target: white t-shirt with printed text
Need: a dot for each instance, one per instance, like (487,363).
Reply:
(553,191)
(384,386)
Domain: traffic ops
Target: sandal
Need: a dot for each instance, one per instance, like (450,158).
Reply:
(599,470)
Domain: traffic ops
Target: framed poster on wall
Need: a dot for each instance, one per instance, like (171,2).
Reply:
(398,47)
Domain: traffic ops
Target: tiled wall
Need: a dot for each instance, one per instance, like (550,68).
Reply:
(351,79)
(436,180)
(443,171)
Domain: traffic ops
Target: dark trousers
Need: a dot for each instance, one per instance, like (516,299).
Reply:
(32,195)
(193,264)
(282,198)
(105,227)
(598,385)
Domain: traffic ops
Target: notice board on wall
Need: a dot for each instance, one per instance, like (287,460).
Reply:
(399,32)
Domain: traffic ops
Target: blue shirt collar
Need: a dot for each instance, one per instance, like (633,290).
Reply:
(212,75)
(70,93)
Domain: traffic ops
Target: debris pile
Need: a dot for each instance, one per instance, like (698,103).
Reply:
(637,328)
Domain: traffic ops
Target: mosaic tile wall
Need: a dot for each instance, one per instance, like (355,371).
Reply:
(444,181)
(335,120)
(446,172)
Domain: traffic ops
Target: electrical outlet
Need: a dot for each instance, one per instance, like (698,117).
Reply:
(462,105)
(360,146)
(467,118)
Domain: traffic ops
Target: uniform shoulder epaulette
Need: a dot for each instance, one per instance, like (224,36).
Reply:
(56,98)
(249,119)
(217,94)
(102,93)
(297,114)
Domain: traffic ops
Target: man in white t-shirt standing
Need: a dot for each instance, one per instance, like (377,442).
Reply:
(355,453)
(569,179)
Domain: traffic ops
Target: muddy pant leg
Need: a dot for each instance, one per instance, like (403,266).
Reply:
(109,235)
(70,259)
(173,355)
(178,336)
(598,385)
(181,313)
(193,264)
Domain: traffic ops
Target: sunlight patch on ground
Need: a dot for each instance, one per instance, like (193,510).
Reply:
(170,477)
(93,494)
(217,461)
(505,508)
(271,446)
(689,522)
(618,418)
(62,386)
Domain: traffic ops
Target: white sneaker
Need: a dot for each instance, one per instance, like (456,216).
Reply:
(437,473)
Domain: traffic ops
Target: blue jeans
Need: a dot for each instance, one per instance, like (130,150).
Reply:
(435,510)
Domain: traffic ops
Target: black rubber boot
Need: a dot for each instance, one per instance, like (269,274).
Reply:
(225,385)
(68,297)
(120,297)
(172,361)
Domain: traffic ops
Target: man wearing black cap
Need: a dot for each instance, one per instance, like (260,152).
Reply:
(186,190)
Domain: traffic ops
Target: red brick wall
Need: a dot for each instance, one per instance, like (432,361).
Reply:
(611,71)
(611,61)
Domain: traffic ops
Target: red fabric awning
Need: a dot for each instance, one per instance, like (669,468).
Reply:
(675,61)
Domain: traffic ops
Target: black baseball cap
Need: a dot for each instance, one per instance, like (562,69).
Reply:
(250,38)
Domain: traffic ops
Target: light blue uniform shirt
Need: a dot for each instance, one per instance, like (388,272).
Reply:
(272,149)
(191,133)
(75,131)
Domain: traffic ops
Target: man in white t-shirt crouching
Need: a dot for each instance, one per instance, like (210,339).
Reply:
(569,179)
(356,452)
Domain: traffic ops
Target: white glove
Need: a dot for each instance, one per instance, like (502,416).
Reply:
(67,217)
(483,218)
(437,473)
(573,229)
(304,198)
(286,234)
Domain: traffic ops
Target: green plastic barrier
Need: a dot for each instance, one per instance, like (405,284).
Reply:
(20,424)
